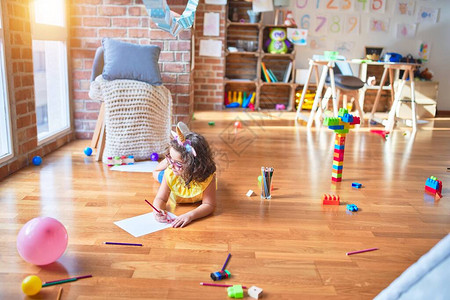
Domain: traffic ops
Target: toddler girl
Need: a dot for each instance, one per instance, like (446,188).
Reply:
(187,175)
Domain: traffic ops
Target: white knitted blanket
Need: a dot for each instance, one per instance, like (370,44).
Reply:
(137,117)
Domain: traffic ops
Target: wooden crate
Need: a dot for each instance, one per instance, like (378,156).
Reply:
(241,67)
(273,94)
(242,8)
(236,32)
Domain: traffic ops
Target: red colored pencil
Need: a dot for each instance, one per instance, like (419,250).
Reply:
(219,285)
(168,217)
(361,251)
(153,206)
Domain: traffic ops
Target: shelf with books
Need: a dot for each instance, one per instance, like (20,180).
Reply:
(279,69)
(248,66)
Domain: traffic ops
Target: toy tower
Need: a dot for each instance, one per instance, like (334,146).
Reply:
(341,126)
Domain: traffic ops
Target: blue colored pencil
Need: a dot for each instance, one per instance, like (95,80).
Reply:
(226,261)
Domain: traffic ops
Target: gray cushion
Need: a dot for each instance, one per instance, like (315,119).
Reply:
(97,66)
(131,61)
(348,82)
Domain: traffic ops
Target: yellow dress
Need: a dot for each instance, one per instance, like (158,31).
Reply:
(182,194)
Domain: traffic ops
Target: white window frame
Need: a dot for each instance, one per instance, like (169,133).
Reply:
(44,32)
(4,83)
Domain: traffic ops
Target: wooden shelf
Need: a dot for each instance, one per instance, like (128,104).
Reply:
(245,66)
(290,55)
(239,81)
(275,83)
(241,53)
(230,23)
(280,26)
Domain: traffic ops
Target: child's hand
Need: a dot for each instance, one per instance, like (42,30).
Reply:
(182,220)
(162,217)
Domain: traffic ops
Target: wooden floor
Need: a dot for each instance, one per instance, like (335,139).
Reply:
(291,246)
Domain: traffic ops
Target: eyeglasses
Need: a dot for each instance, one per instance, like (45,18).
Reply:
(175,164)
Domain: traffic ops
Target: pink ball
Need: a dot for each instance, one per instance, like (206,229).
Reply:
(42,241)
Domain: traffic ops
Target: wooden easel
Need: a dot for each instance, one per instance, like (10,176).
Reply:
(408,72)
(98,139)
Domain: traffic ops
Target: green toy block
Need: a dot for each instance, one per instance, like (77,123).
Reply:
(236,291)
(330,121)
(342,131)
(342,112)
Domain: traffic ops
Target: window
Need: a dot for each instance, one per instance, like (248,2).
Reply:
(5,124)
(49,33)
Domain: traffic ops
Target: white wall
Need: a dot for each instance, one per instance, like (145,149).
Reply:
(437,35)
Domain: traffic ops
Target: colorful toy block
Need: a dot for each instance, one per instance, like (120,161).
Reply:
(352,207)
(235,291)
(255,292)
(120,160)
(356,185)
(328,199)
(341,127)
(433,186)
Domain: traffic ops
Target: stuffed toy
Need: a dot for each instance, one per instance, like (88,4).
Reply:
(289,21)
(277,42)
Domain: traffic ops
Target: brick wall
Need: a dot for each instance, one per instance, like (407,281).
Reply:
(127,20)
(209,71)
(19,67)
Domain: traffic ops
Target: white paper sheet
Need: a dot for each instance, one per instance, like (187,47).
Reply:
(141,166)
(211,48)
(216,2)
(143,224)
(262,5)
(211,24)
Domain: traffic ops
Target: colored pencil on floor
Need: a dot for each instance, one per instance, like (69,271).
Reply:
(361,251)
(219,285)
(68,279)
(226,261)
(59,294)
(123,244)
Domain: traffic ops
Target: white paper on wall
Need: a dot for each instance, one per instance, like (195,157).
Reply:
(297,36)
(427,15)
(404,7)
(262,5)
(406,30)
(211,48)
(211,24)
(378,25)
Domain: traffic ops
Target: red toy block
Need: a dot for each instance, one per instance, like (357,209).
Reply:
(328,199)
(336,179)
(356,120)
(339,151)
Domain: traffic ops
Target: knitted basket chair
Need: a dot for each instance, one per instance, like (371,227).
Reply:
(137,116)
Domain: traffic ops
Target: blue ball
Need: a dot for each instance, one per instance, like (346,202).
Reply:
(88,151)
(154,156)
(37,160)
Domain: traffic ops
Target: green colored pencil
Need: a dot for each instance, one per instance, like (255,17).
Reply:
(59,282)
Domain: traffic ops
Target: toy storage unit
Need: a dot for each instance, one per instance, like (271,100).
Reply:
(243,68)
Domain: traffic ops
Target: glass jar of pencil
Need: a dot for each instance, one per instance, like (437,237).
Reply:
(266,182)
